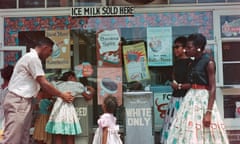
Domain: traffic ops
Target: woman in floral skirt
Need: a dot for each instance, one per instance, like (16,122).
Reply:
(198,120)
(179,84)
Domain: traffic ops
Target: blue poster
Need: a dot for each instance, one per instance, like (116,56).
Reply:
(159,46)
(161,96)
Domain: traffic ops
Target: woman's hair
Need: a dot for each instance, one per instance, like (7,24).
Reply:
(198,39)
(110,103)
(6,72)
(66,75)
(182,40)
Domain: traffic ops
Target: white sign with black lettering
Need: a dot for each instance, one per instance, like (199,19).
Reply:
(103,11)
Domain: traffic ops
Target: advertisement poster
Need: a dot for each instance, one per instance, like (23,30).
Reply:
(230,26)
(108,48)
(161,95)
(159,46)
(60,58)
(135,62)
(84,69)
(109,82)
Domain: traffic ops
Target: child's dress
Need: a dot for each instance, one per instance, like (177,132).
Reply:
(107,120)
(41,121)
(3,92)
(63,119)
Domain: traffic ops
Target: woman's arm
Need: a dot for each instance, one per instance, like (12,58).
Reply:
(212,93)
(88,93)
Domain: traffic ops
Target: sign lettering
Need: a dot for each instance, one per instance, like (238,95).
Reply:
(138,116)
(103,11)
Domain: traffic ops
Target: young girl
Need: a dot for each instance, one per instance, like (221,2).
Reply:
(107,131)
(63,121)
(45,103)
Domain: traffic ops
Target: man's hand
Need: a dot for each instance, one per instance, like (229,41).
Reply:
(66,96)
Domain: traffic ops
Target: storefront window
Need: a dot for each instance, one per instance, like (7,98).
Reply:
(59,3)
(231,106)
(87,2)
(212,1)
(136,2)
(6,4)
(182,1)
(31,4)
(233,0)
(129,32)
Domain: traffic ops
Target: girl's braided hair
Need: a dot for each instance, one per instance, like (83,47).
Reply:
(110,103)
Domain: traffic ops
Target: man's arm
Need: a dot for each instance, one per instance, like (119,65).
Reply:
(49,88)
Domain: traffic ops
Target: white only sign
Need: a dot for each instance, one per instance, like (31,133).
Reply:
(103,11)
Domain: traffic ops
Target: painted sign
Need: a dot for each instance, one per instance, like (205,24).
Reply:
(109,83)
(139,117)
(103,11)
(84,115)
(159,46)
(60,57)
(135,62)
(161,96)
(83,70)
(108,48)
(230,26)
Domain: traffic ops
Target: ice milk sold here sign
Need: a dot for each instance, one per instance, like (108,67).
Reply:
(103,11)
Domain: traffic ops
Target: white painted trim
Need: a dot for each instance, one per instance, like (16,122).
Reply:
(1,32)
(217,37)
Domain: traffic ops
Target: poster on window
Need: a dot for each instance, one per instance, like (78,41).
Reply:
(60,58)
(108,48)
(109,83)
(230,26)
(161,97)
(159,46)
(135,62)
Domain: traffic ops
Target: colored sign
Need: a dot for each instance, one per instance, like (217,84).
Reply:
(109,83)
(83,70)
(159,46)
(109,48)
(230,26)
(161,95)
(135,62)
(60,58)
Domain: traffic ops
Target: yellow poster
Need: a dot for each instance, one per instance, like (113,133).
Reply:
(60,58)
(135,62)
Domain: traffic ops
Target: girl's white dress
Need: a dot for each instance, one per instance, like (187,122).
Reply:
(63,118)
(107,120)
